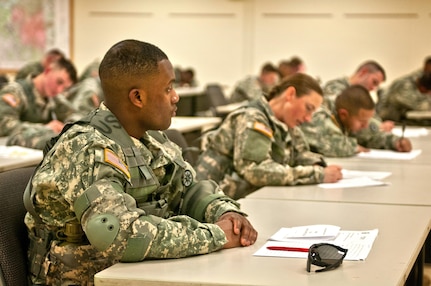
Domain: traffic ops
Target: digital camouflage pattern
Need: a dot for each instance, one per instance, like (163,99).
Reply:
(332,89)
(86,95)
(85,161)
(327,136)
(247,89)
(252,149)
(24,113)
(402,96)
(32,69)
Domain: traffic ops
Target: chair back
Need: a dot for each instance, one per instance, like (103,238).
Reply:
(189,153)
(13,232)
(216,95)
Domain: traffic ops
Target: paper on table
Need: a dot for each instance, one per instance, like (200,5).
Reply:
(410,132)
(358,243)
(321,231)
(389,154)
(352,183)
(350,174)
(19,152)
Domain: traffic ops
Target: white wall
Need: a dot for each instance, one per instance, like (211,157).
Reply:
(224,40)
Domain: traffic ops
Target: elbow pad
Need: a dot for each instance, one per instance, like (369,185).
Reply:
(101,230)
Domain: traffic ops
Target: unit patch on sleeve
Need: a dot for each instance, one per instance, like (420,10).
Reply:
(262,128)
(112,159)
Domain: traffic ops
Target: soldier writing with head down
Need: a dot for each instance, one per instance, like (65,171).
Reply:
(260,143)
(112,188)
(347,130)
(32,110)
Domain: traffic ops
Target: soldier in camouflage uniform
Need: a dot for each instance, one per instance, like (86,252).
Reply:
(408,93)
(260,145)
(35,68)
(344,131)
(32,110)
(370,75)
(87,94)
(252,87)
(109,189)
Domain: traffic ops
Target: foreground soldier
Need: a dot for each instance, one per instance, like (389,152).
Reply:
(111,190)
(260,144)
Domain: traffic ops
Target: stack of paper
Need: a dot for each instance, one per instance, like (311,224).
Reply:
(358,243)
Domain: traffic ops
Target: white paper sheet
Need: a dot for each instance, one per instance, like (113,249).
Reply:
(410,132)
(318,231)
(389,154)
(350,174)
(353,183)
(358,243)
(19,152)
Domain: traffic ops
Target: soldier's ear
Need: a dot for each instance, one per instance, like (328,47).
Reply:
(137,97)
(343,114)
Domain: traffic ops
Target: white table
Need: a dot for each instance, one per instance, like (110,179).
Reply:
(186,124)
(418,115)
(393,254)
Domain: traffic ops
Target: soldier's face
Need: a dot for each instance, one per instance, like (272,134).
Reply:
(160,99)
(372,80)
(359,121)
(301,109)
(55,82)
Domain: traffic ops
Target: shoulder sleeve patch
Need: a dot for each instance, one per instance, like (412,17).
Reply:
(10,99)
(112,159)
(262,128)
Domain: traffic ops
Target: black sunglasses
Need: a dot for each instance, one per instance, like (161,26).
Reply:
(326,255)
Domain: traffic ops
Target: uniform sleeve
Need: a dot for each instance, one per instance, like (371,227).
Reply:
(80,173)
(327,138)
(12,105)
(374,138)
(253,160)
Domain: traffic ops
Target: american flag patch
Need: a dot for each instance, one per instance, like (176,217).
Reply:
(10,99)
(262,128)
(112,159)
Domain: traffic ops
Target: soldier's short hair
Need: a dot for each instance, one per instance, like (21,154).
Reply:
(128,60)
(353,98)
(372,66)
(63,63)
(425,81)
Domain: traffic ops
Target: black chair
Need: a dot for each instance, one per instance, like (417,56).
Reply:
(216,97)
(189,153)
(13,232)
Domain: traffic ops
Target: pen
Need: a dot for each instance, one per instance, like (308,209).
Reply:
(403,128)
(285,248)
(53,115)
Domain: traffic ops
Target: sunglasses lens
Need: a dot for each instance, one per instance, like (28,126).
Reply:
(325,255)
(329,254)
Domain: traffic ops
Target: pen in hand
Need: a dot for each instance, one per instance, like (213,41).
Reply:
(403,128)
(285,248)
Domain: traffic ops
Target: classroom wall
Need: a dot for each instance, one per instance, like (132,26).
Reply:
(224,40)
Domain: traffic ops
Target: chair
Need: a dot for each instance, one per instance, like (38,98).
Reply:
(189,153)
(13,232)
(216,97)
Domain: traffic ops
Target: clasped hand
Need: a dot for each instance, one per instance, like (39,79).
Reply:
(238,230)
